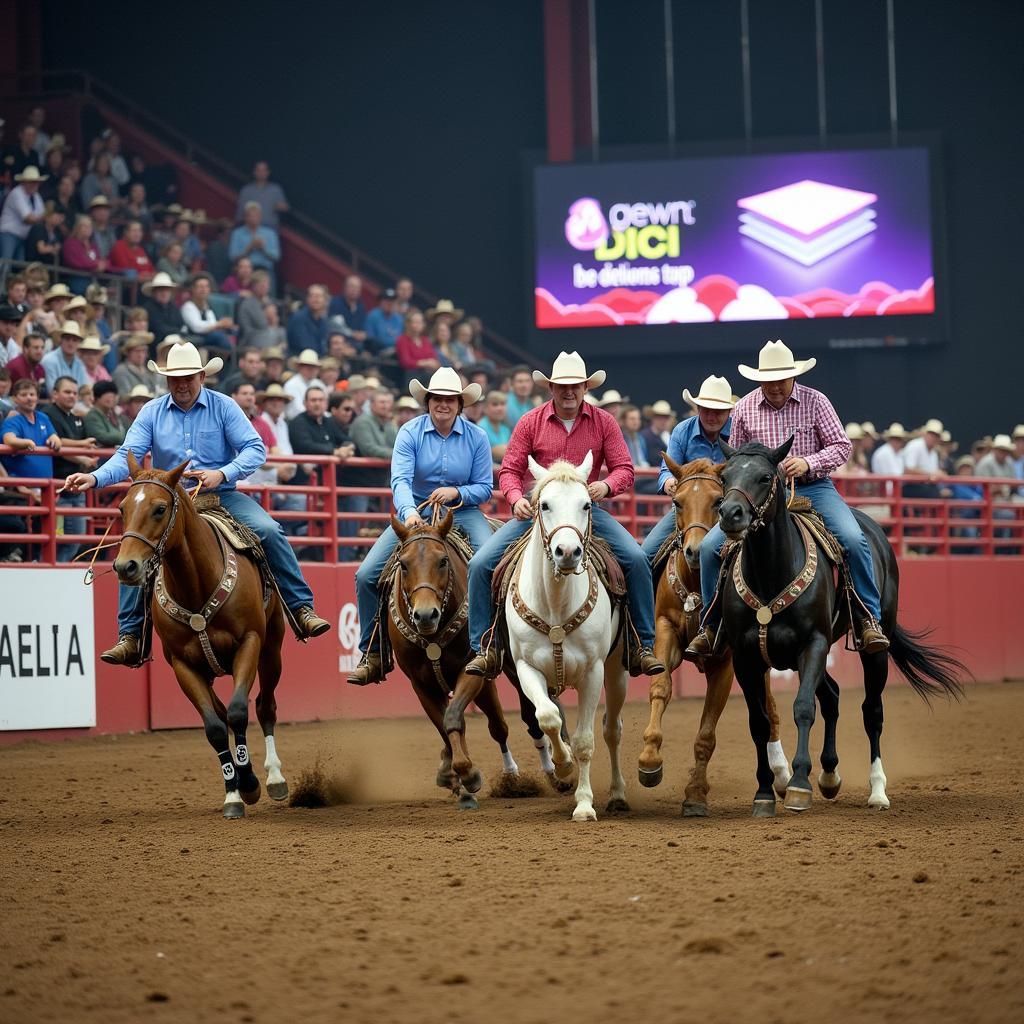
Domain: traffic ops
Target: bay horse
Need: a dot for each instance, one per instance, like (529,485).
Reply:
(563,630)
(427,626)
(676,621)
(802,616)
(208,609)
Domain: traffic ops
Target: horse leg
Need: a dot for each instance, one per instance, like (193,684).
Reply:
(811,665)
(667,648)
(199,691)
(776,755)
(719,680)
(243,669)
(751,680)
(487,701)
(433,701)
(616,682)
(266,704)
(876,672)
(583,741)
(467,688)
(829,780)
(549,717)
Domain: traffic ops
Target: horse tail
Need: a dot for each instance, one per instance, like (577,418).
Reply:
(930,670)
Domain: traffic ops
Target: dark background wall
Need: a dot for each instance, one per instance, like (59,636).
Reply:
(401,126)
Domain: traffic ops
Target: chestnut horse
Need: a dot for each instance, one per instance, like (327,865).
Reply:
(427,625)
(208,609)
(677,614)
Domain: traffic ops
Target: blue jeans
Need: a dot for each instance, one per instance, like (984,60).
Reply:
(294,589)
(72,524)
(661,533)
(838,518)
(11,246)
(472,522)
(623,544)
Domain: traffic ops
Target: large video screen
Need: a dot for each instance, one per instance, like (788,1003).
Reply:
(806,236)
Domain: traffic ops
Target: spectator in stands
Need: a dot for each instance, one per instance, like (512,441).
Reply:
(255,240)
(341,410)
(99,182)
(414,351)
(172,263)
(129,258)
(307,367)
(1018,450)
(341,349)
(164,316)
(11,333)
(330,370)
(239,281)
(612,402)
(66,202)
(268,195)
(104,234)
(855,464)
(631,424)
(999,463)
(28,366)
(85,400)
(118,165)
(28,431)
(972,494)
(23,154)
(70,429)
(203,324)
(37,118)
(79,250)
(887,458)
(658,431)
(137,398)
(359,391)
(44,240)
(17,292)
(253,324)
(136,207)
(313,432)
(465,351)
(406,408)
(921,461)
(349,306)
(22,209)
(403,295)
(495,425)
(77,310)
(63,361)
(308,328)
(249,371)
(132,371)
(520,398)
(53,165)
(441,339)
(373,434)
(96,321)
(6,403)
(190,243)
(103,421)
(444,310)
(273,364)
(384,323)
(91,352)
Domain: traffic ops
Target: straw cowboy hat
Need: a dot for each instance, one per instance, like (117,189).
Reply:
(100,200)
(445,307)
(132,339)
(31,173)
(569,368)
(273,353)
(659,408)
(775,362)
(1018,432)
(1003,443)
(405,402)
(97,295)
(58,142)
(273,391)
(93,344)
(58,291)
(445,381)
(715,393)
(933,426)
(356,382)
(76,303)
(854,431)
(611,397)
(895,430)
(139,391)
(307,357)
(70,327)
(160,280)
(183,360)
(869,430)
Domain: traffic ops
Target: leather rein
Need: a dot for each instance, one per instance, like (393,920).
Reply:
(691,601)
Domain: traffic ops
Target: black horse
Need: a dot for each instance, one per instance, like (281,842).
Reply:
(754,510)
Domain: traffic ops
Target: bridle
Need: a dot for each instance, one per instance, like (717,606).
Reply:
(546,535)
(152,563)
(758,510)
(695,526)
(442,597)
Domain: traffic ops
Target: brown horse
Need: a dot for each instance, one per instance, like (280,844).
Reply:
(208,608)
(427,625)
(677,614)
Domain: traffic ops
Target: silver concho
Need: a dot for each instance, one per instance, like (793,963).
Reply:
(197,622)
(764,615)
(556,634)
(434,652)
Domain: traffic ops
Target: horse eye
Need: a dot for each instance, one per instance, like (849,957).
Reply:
(717,503)
(159,510)
(586,507)
(544,506)
(766,479)
(444,561)
(403,566)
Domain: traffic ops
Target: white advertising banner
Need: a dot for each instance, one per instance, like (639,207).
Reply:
(47,664)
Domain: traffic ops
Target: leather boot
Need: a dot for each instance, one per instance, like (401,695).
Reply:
(644,662)
(872,640)
(484,664)
(702,645)
(125,652)
(311,623)
(369,670)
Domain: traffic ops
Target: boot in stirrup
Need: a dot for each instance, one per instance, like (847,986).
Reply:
(484,664)
(871,640)
(127,652)
(702,645)
(369,670)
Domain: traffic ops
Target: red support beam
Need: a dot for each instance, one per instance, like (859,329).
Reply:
(558,67)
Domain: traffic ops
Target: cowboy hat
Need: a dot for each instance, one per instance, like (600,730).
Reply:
(869,429)
(659,408)
(183,360)
(58,291)
(715,393)
(159,280)
(445,307)
(273,390)
(70,327)
(445,381)
(1018,431)
(273,353)
(895,430)
(775,362)
(933,426)
(307,357)
(373,383)
(854,431)
(168,342)
(1003,443)
(569,368)
(132,339)
(139,391)
(93,344)
(97,295)
(611,397)
(100,200)
(30,174)
(76,303)
(356,382)
(405,402)
(58,142)
(964,460)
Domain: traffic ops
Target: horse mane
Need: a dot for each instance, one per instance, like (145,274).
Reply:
(561,471)
(159,474)
(755,448)
(699,466)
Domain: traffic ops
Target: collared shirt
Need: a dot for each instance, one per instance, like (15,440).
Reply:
(424,460)
(18,206)
(355,319)
(268,196)
(499,434)
(383,328)
(689,442)
(515,410)
(213,434)
(541,433)
(917,455)
(886,461)
(279,428)
(264,258)
(55,365)
(31,464)
(818,434)
(306,331)
(70,428)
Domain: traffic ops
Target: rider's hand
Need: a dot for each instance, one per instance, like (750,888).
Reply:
(211,478)
(78,482)
(444,495)
(598,490)
(794,467)
(414,519)
(522,509)
(670,486)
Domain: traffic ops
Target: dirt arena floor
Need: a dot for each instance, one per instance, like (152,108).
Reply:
(126,897)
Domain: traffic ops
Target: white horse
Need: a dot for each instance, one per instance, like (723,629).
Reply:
(563,632)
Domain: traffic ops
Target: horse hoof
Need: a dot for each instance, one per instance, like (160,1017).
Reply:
(692,809)
(467,802)
(584,814)
(764,809)
(829,784)
(878,803)
(798,799)
(472,780)
(617,806)
(277,790)
(235,809)
(559,785)
(252,796)
(445,779)
(651,777)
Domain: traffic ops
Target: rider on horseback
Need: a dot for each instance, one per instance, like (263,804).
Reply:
(567,427)
(192,423)
(442,457)
(771,414)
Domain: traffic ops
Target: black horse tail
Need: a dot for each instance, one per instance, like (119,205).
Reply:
(931,671)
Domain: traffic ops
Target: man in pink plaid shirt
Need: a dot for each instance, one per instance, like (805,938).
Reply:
(567,427)
(781,408)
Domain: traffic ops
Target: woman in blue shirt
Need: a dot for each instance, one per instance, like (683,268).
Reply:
(438,456)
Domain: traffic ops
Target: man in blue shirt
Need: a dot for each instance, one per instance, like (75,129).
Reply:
(30,432)
(259,243)
(384,323)
(520,398)
(210,431)
(438,457)
(349,306)
(695,438)
(63,361)
(309,327)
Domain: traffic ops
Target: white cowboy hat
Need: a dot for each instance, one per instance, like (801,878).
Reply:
(933,426)
(70,327)
(77,302)
(405,402)
(569,368)
(854,431)
(445,307)
(869,429)
(895,430)
(775,362)
(98,201)
(160,280)
(715,393)
(1018,431)
(93,344)
(31,173)
(307,357)
(183,360)
(445,381)
(611,397)
(58,291)
(273,390)
(140,391)
(659,408)
(1003,442)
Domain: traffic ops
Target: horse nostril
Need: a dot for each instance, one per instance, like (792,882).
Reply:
(688,551)
(558,551)
(578,552)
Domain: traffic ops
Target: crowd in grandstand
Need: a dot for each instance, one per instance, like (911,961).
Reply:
(102,271)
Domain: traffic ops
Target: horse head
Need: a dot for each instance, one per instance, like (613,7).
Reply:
(148,514)
(562,507)
(751,480)
(698,491)
(424,560)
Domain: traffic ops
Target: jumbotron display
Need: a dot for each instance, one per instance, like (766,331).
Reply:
(767,237)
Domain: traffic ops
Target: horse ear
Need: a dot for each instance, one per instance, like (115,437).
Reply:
(586,466)
(536,469)
(673,467)
(446,523)
(401,530)
(175,474)
(727,451)
(133,465)
(782,451)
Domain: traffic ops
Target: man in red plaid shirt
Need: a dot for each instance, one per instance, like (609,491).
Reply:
(567,427)
(781,408)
